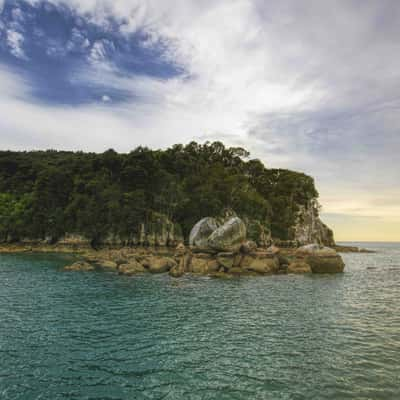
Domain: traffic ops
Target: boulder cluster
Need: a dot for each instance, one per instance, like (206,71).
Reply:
(217,250)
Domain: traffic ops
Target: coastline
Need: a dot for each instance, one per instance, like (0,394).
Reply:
(84,249)
(246,260)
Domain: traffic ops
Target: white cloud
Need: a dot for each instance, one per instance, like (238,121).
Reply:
(15,41)
(101,51)
(78,41)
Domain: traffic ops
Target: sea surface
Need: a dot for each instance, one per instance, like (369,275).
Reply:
(82,335)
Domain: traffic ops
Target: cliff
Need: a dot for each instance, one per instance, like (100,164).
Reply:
(309,228)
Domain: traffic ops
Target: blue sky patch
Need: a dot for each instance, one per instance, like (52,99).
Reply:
(49,45)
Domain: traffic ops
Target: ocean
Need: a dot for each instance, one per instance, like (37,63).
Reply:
(97,335)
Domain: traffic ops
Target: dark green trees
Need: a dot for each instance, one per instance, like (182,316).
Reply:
(44,195)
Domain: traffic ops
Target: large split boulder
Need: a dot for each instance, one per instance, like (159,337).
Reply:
(321,259)
(201,231)
(228,237)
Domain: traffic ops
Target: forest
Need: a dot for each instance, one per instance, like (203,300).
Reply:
(46,194)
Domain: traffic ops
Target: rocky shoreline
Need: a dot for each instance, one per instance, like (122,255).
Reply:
(247,261)
(216,250)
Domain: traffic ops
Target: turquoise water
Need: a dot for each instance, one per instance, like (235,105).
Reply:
(77,335)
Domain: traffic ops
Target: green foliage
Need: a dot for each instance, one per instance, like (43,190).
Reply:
(47,194)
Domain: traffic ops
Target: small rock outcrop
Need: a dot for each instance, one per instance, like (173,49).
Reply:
(131,268)
(228,237)
(321,259)
(79,266)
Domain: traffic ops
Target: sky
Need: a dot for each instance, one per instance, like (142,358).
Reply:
(308,85)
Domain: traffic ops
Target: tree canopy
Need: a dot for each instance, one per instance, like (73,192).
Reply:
(50,193)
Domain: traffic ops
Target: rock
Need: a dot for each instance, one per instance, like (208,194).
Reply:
(227,260)
(326,265)
(80,266)
(299,267)
(186,262)
(283,260)
(106,264)
(180,269)
(161,265)
(120,260)
(309,228)
(180,250)
(260,262)
(228,237)
(201,231)
(221,275)
(321,259)
(176,272)
(238,271)
(131,268)
(273,249)
(204,265)
(248,247)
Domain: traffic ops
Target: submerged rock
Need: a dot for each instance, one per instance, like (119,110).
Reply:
(228,237)
(201,231)
(79,266)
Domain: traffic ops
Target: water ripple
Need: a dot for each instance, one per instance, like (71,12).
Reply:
(102,336)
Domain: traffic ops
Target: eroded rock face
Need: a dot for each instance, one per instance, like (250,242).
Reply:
(309,228)
(321,259)
(201,231)
(228,237)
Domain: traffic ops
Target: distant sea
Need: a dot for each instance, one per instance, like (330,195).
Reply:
(80,335)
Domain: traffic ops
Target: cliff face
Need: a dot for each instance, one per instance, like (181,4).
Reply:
(161,231)
(309,228)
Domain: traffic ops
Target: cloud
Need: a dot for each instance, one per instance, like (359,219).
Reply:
(101,51)
(15,41)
